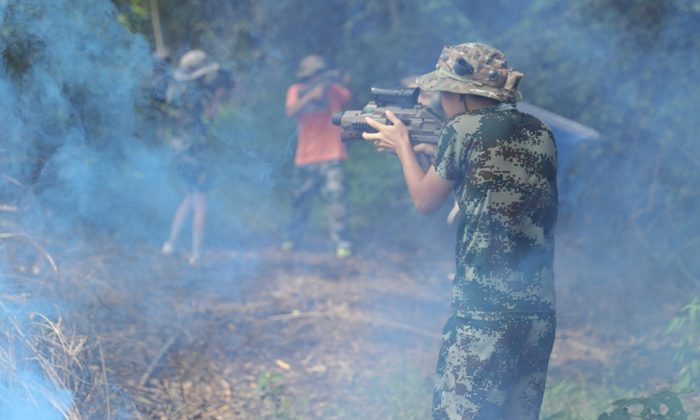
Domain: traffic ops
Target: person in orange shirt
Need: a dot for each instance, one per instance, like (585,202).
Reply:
(320,155)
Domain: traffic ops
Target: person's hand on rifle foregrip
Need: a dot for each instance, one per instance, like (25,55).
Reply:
(389,138)
(426,148)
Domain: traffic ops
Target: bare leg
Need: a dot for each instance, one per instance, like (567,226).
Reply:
(178,220)
(199,200)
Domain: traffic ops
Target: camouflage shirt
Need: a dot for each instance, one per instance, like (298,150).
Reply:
(186,104)
(504,163)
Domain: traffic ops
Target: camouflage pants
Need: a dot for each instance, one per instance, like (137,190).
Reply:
(493,369)
(329,179)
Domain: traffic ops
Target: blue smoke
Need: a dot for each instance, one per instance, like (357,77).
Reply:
(73,136)
(71,94)
(43,404)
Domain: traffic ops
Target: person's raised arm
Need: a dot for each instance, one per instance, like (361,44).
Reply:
(343,92)
(428,191)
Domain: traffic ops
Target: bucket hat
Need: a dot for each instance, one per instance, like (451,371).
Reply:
(476,69)
(193,65)
(311,65)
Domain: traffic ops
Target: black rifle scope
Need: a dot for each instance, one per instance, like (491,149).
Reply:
(402,96)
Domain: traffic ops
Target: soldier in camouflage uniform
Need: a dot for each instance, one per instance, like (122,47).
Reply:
(501,164)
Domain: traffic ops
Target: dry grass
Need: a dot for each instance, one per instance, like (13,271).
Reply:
(67,361)
(145,336)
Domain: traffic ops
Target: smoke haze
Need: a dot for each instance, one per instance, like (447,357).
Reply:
(94,190)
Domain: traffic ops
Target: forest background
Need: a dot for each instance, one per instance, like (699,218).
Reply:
(627,68)
(622,67)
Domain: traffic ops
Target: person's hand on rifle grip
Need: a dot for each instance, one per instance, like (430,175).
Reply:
(389,138)
(316,93)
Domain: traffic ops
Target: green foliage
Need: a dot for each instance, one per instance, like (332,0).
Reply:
(664,405)
(404,394)
(392,392)
(18,51)
(687,327)
(599,62)
(575,399)
(271,391)
(134,14)
(582,400)
(619,66)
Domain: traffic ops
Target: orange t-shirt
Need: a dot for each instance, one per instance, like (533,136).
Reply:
(318,138)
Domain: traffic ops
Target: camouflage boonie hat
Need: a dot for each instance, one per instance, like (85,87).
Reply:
(311,65)
(476,69)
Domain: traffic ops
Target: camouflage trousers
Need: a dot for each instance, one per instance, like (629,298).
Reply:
(328,178)
(493,368)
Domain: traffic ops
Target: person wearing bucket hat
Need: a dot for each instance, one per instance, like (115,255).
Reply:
(192,101)
(501,164)
(320,154)
(193,65)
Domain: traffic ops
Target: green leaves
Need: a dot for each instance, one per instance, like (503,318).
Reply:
(271,391)
(664,405)
(620,413)
(693,309)
(687,328)
(133,13)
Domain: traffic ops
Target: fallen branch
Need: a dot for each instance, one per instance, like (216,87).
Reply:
(178,412)
(14,181)
(156,359)
(356,318)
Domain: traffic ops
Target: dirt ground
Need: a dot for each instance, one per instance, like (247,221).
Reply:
(267,334)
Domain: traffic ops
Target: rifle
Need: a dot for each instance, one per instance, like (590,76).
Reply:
(424,125)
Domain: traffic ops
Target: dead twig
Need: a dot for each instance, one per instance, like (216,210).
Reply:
(178,412)
(402,326)
(688,275)
(7,207)
(104,373)
(36,245)
(156,359)
(14,181)
(144,401)
(12,320)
